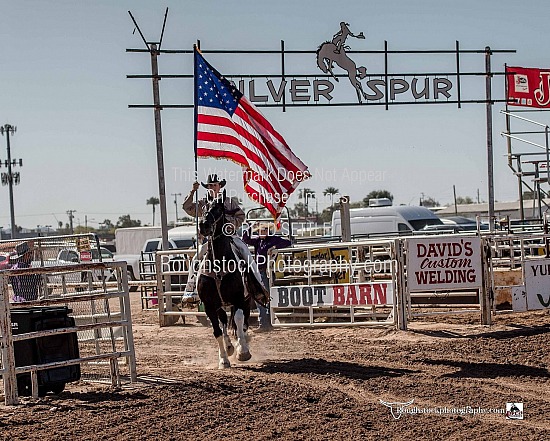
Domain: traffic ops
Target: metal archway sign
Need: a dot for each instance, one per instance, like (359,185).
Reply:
(336,69)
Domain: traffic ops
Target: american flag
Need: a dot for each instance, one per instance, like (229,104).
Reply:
(229,126)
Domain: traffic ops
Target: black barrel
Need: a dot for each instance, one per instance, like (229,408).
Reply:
(42,350)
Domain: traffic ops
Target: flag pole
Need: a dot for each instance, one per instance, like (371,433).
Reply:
(195,103)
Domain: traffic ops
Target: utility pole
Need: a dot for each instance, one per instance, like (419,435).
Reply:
(10,178)
(176,204)
(71,216)
(454,194)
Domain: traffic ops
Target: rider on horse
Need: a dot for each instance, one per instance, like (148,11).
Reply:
(339,39)
(234,215)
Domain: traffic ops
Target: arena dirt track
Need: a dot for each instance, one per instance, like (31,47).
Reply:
(311,384)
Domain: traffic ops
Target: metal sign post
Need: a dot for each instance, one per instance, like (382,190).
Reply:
(154,52)
(489,106)
(160,152)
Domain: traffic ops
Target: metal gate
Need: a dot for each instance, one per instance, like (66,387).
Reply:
(101,311)
(364,276)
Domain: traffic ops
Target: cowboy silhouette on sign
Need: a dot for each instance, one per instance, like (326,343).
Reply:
(340,37)
(331,52)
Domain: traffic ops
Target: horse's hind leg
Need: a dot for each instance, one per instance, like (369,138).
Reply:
(243,351)
(358,88)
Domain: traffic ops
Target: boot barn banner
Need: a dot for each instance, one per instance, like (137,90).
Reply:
(528,87)
(443,263)
(332,295)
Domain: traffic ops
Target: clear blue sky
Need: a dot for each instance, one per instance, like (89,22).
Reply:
(64,86)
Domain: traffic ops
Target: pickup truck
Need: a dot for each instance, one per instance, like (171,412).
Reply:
(178,238)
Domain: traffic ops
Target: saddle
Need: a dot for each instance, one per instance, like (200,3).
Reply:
(252,280)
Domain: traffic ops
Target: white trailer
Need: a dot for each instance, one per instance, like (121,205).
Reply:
(129,244)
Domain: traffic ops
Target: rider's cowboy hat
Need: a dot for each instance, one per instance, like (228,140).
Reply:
(20,250)
(213,179)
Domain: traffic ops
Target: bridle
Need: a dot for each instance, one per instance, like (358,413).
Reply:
(214,221)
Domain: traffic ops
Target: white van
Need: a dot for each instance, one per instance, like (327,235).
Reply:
(381,220)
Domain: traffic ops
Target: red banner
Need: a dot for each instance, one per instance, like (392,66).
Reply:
(529,87)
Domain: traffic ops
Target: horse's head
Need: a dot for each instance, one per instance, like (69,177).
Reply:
(212,219)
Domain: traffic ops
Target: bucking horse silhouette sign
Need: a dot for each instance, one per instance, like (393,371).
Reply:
(331,52)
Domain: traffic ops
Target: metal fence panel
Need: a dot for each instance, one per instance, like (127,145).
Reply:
(101,311)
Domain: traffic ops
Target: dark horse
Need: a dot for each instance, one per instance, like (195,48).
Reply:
(220,283)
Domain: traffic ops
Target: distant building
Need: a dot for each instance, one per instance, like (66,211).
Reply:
(502,209)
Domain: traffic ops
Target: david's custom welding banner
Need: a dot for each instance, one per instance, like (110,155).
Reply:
(443,263)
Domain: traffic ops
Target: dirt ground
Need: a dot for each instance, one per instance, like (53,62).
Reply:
(313,384)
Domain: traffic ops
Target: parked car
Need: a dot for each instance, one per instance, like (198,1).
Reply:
(383,220)
(464,224)
(68,255)
(456,224)
(5,261)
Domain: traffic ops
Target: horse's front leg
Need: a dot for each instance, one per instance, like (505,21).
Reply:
(243,350)
(330,66)
(228,345)
(223,360)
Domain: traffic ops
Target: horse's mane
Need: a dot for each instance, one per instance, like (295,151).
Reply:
(321,45)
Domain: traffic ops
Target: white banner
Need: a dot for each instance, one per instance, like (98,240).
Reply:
(519,298)
(537,283)
(332,295)
(441,263)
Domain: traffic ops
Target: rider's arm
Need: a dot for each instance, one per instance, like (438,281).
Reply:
(189,206)
(249,240)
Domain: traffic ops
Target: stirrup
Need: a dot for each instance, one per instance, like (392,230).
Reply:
(190,296)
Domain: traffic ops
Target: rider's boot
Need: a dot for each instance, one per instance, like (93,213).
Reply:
(190,293)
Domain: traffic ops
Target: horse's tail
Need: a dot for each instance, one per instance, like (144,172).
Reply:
(232,325)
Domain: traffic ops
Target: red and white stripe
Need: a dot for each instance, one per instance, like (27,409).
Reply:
(271,171)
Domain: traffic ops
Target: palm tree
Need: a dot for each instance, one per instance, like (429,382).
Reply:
(332,192)
(153,201)
(306,194)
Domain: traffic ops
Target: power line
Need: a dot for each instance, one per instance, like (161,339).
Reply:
(10,178)
(71,216)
